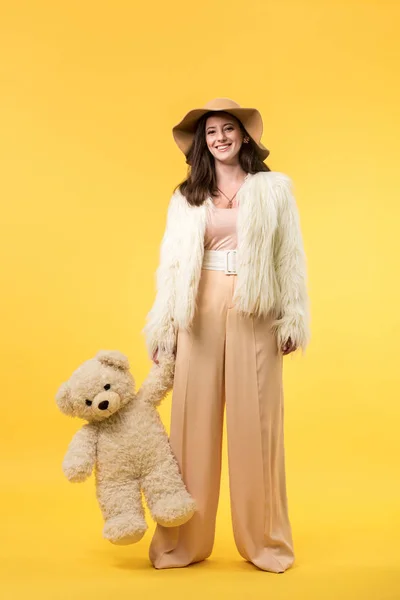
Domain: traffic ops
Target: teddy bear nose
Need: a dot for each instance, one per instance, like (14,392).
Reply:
(103,405)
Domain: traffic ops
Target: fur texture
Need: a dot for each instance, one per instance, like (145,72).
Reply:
(125,442)
(271,263)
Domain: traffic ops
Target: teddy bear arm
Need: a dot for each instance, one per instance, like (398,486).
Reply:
(158,382)
(80,458)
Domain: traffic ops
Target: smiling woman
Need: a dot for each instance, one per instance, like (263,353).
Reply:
(231,283)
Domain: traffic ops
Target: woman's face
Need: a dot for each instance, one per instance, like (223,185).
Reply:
(223,137)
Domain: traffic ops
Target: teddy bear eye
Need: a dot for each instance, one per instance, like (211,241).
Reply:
(89,402)
(107,386)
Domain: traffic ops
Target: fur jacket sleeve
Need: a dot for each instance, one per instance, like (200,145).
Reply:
(160,330)
(291,270)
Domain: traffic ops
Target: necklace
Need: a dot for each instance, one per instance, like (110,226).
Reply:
(230,200)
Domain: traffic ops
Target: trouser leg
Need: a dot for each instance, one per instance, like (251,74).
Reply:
(255,428)
(196,425)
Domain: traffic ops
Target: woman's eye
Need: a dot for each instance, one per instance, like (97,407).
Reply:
(107,386)
(88,402)
(226,128)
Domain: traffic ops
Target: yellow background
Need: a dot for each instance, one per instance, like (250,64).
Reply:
(89,94)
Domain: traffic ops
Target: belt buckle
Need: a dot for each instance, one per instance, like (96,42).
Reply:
(229,271)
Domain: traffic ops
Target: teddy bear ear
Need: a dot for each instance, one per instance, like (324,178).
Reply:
(63,398)
(113,358)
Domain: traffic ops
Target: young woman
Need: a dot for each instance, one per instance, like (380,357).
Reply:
(231,302)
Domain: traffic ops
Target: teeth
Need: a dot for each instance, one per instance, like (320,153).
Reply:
(222,147)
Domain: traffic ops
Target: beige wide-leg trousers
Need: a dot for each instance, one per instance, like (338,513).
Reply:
(228,358)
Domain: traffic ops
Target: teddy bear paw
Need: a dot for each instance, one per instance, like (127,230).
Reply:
(124,529)
(172,511)
(77,473)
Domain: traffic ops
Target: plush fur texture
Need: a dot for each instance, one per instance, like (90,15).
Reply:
(125,442)
(271,263)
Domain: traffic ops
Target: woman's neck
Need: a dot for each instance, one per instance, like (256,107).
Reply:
(229,176)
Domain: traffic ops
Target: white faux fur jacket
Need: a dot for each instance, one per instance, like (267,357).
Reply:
(271,263)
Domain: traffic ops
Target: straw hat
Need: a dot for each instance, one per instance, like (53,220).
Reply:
(251,119)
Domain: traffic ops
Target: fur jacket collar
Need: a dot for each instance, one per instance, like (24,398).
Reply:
(271,263)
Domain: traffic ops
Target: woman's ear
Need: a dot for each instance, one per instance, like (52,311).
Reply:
(63,399)
(113,358)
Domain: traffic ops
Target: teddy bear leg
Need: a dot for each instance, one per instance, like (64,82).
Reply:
(122,509)
(169,502)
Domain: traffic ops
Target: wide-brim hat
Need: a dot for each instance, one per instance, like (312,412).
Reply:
(251,119)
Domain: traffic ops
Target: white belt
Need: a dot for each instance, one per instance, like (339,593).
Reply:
(220,260)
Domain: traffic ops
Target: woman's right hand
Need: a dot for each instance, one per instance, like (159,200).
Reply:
(154,358)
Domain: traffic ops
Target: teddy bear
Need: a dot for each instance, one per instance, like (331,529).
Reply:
(125,443)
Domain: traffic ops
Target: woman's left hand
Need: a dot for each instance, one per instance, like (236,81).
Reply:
(288,347)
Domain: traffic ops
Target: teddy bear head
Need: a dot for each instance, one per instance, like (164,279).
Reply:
(98,388)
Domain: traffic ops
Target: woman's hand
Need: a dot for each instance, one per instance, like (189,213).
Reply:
(154,358)
(288,346)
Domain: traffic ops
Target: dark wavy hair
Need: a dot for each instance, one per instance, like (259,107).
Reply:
(201,181)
